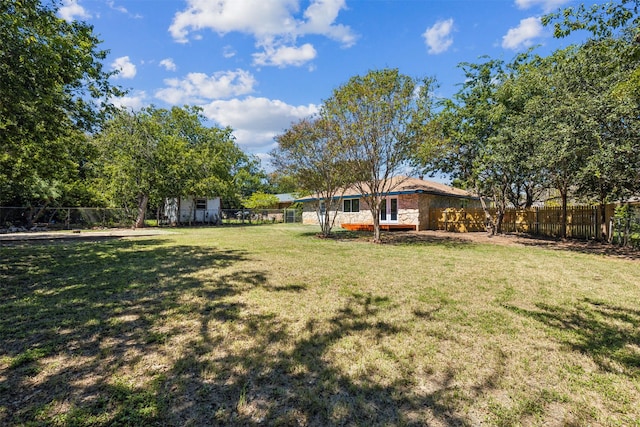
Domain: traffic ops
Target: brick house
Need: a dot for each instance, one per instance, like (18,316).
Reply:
(407,206)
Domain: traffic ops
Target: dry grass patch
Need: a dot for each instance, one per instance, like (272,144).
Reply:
(270,325)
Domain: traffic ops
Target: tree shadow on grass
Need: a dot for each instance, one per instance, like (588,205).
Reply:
(339,234)
(397,237)
(608,334)
(277,378)
(77,319)
(141,333)
(590,247)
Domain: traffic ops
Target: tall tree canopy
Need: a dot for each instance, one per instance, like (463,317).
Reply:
(52,87)
(154,154)
(568,121)
(471,147)
(379,120)
(310,152)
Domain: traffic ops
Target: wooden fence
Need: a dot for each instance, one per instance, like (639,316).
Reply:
(583,222)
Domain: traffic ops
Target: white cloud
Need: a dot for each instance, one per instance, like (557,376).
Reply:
(72,10)
(125,66)
(320,17)
(547,5)
(257,17)
(275,24)
(285,55)
(523,34)
(120,9)
(438,37)
(256,121)
(134,101)
(228,52)
(199,87)
(168,64)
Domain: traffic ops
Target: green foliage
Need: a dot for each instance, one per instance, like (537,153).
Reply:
(366,134)
(626,225)
(604,20)
(568,121)
(154,154)
(379,121)
(310,153)
(280,182)
(248,177)
(475,144)
(260,200)
(53,86)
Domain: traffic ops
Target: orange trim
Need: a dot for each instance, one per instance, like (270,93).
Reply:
(386,227)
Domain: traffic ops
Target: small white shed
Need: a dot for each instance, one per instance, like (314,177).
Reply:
(199,210)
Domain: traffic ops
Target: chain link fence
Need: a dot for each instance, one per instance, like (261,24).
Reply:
(261,216)
(22,218)
(13,219)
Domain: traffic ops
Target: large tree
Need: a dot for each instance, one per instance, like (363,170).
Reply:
(310,152)
(154,154)
(471,147)
(605,72)
(379,121)
(53,87)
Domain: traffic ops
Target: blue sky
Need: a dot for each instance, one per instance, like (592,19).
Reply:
(259,65)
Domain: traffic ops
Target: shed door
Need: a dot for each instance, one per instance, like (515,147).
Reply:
(389,210)
(200,210)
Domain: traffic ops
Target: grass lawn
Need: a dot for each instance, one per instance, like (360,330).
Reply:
(269,325)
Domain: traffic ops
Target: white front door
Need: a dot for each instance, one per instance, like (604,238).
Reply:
(389,210)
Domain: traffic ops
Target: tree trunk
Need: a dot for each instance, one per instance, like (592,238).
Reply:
(326,230)
(323,218)
(33,217)
(499,219)
(563,230)
(491,227)
(528,201)
(143,199)
(375,213)
(376,228)
(604,227)
(179,209)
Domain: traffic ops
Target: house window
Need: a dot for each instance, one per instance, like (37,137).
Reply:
(201,204)
(351,205)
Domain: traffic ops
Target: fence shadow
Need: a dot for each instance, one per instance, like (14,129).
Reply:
(590,247)
(608,334)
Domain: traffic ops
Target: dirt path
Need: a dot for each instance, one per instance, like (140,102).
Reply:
(81,234)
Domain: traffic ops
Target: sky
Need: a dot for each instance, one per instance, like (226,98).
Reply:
(257,66)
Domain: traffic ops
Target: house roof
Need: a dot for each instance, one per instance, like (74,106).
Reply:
(285,197)
(405,185)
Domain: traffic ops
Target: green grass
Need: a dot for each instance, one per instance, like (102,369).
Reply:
(272,326)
